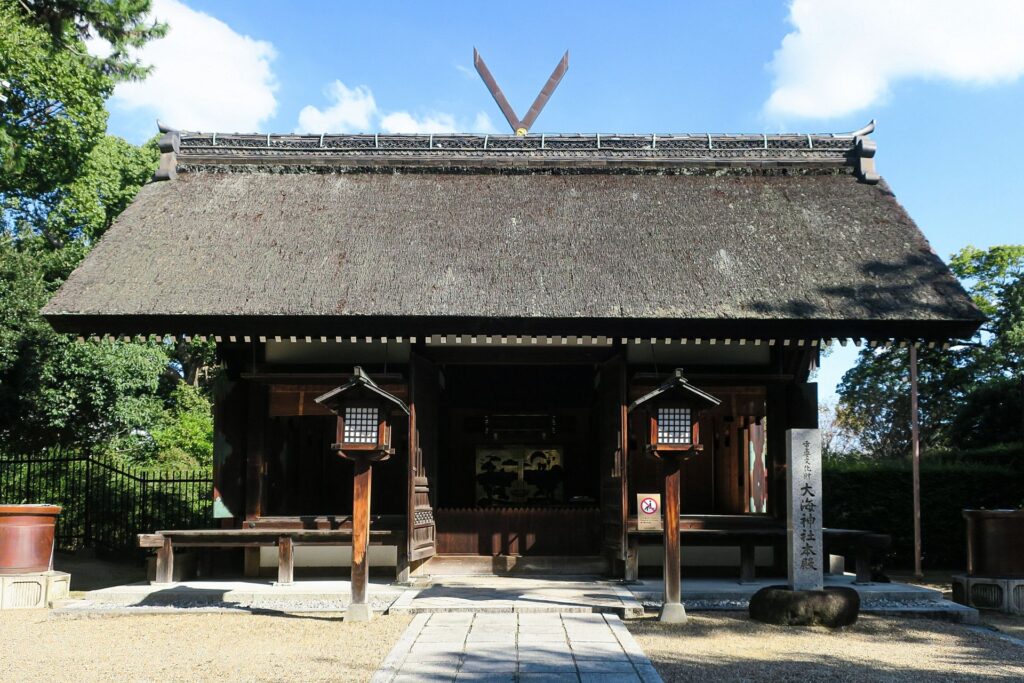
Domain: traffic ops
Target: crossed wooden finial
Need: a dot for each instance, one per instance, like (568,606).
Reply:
(521,126)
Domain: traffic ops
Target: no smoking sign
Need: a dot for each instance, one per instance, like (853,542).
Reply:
(648,506)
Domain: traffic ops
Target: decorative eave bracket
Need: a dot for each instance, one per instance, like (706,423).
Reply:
(864,151)
(170,145)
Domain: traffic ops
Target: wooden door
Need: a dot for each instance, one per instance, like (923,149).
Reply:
(756,487)
(424,394)
(612,448)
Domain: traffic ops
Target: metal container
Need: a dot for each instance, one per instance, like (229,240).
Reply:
(995,543)
(26,537)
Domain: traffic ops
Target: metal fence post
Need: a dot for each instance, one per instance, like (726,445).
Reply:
(144,527)
(87,512)
(28,480)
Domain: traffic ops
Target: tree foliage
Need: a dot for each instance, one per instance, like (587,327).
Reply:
(63,181)
(971,394)
(54,112)
(120,24)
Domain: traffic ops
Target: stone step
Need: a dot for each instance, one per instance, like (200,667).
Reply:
(512,565)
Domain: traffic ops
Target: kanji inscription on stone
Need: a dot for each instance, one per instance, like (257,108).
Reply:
(803,506)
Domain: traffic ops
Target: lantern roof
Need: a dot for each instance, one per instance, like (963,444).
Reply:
(359,384)
(677,384)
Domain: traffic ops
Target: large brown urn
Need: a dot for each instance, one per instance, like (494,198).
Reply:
(26,537)
(995,543)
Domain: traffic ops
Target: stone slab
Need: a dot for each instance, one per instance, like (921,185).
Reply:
(609,652)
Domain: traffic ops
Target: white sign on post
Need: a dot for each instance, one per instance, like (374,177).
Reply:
(648,512)
(803,509)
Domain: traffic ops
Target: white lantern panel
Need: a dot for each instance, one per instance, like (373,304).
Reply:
(674,426)
(360,425)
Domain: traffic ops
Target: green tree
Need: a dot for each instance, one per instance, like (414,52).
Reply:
(185,434)
(62,184)
(54,113)
(120,24)
(970,394)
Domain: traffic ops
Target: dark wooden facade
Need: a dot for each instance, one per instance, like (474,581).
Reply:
(274,465)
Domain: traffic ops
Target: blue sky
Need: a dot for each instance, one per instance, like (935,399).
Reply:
(944,83)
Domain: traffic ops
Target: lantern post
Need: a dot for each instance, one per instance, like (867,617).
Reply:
(363,436)
(672,432)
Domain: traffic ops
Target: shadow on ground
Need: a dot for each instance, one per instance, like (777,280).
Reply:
(732,647)
(91,573)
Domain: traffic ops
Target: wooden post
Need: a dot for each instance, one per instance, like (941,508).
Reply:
(359,610)
(672,610)
(285,561)
(915,446)
(748,564)
(632,570)
(165,562)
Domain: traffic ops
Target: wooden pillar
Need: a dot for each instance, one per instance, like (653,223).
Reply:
(255,469)
(285,561)
(672,610)
(748,562)
(359,610)
(915,444)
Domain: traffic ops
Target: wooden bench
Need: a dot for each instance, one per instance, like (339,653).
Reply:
(730,531)
(863,545)
(285,539)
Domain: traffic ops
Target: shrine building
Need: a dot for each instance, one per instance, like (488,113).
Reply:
(513,297)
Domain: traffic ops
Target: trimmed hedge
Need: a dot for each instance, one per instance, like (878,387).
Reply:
(878,496)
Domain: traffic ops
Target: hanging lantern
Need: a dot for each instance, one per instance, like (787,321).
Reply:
(672,411)
(364,417)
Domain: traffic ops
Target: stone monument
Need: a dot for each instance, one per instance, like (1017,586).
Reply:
(805,558)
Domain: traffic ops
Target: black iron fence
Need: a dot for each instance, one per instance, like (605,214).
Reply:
(105,502)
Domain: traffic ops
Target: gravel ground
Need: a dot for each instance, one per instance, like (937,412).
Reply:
(1009,624)
(731,647)
(227,647)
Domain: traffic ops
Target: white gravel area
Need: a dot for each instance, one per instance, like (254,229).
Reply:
(193,647)
(731,647)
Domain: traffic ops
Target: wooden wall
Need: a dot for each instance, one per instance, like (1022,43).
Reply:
(519,531)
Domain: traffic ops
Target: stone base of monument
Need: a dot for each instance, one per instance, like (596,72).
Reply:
(833,607)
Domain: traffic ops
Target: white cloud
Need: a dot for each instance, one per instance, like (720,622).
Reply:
(404,122)
(354,110)
(205,75)
(844,56)
(467,73)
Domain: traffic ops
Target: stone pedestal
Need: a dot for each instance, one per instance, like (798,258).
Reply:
(33,591)
(359,611)
(983,592)
(672,613)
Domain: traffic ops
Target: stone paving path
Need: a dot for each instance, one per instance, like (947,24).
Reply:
(510,647)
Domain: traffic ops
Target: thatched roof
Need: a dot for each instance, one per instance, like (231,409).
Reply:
(246,236)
